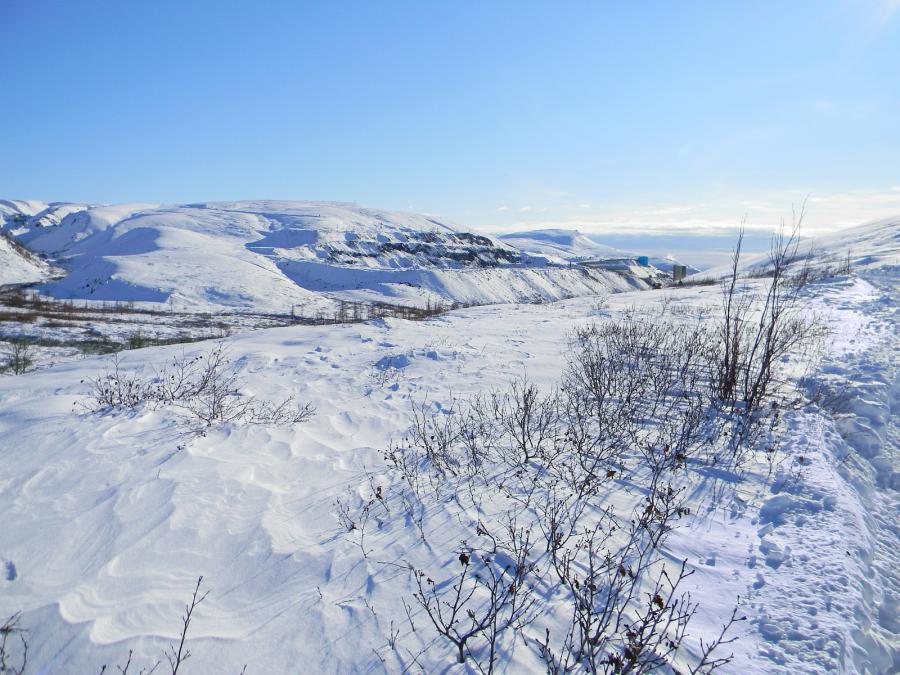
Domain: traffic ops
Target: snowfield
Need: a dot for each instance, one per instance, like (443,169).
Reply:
(108,519)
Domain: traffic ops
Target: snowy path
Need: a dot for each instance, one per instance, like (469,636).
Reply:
(826,552)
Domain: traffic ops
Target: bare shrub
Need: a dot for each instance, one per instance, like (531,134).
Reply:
(177,656)
(638,414)
(604,567)
(633,406)
(354,513)
(435,433)
(637,385)
(18,356)
(526,420)
(207,386)
(12,633)
(490,595)
(613,631)
(755,334)
(117,388)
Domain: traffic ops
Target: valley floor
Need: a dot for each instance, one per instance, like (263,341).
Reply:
(107,521)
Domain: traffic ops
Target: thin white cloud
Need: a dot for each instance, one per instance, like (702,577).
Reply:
(503,208)
(625,225)
(825,212)
(857,110)
(755,205)
(878,14)
(884,13)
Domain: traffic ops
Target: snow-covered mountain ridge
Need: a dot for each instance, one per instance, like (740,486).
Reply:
(274,254)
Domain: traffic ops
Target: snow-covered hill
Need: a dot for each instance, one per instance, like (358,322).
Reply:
(270,255)
(573,246)
(871,246)
(562,244)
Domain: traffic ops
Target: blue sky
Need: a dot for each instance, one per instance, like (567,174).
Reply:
(655,117)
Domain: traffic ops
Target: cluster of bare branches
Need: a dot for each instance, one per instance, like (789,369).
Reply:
(602,638)
(355,513)
(632,410)
(18,356)
(12,634)
(118,388)
(756,333)
(491,595)
(208,386)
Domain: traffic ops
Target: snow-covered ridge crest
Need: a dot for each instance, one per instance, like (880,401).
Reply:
(873,246)
(270,255)
(343,233)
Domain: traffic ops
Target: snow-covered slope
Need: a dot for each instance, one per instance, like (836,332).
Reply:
(562,244)
(19,266)
(573,246)
(24,215)
(871,246)
(106,521)
(271,255)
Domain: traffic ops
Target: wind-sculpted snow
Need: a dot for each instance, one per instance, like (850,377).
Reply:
(269,256)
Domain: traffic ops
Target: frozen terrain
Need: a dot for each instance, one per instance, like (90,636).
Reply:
(270,256)
(107,520)
(17,266)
